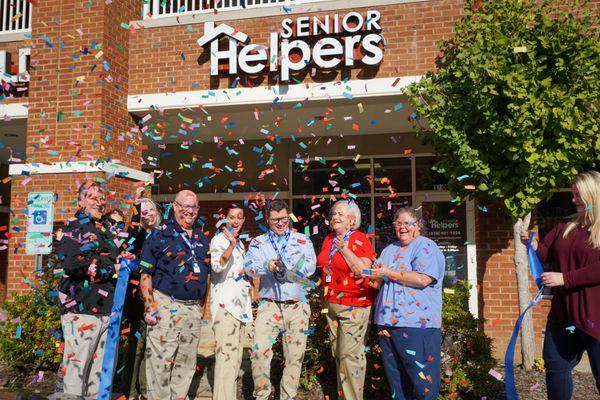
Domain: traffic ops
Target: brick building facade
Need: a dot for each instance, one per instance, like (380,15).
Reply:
(127,83)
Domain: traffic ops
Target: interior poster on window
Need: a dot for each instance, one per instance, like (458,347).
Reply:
(446,224)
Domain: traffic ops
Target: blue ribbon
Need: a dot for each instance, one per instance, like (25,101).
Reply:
(535,266)
(536,269)
(113,335)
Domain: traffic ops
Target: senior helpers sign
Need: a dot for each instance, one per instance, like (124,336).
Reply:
(289,49)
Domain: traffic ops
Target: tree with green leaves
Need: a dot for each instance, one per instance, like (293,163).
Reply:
(512,109)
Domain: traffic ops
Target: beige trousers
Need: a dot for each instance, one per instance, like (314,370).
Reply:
(229,338)
(85,339)
(271,319)
(171,348)
(348,335)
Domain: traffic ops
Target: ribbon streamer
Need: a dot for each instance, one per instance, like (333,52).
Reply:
(113,334)
(536,269)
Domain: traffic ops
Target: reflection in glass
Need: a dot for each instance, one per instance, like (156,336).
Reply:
(392,175)
(551,211)
(384,219)
(427,178)
(326,177)
(314,214)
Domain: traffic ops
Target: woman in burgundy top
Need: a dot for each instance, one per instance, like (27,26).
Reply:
(574,319)
(345,253)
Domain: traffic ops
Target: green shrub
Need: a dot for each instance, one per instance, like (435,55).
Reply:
(30,335)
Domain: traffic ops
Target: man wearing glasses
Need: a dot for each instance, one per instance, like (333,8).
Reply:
(282,258)
(89,260)
(174,271)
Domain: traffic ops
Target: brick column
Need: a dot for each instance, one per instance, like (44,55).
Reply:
(77,109)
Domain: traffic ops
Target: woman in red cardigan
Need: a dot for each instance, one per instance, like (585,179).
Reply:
(574,320)
(345,253)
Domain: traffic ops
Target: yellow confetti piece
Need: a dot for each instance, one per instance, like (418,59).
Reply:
(520,49)
(360,108)
(16,16)
(99,54)
(293,217)
(449,291)
(422,376)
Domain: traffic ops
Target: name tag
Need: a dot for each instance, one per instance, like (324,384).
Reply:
(196,267)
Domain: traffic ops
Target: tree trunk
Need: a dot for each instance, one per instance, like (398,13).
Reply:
(522,272)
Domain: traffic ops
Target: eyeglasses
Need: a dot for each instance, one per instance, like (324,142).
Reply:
(148,212)
(185,207)
(409,223)
(279,220)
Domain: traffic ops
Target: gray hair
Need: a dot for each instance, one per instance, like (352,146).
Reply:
(414,214)
(87,185)
(351,209)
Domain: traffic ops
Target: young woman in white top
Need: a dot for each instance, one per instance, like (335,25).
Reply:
(231,303)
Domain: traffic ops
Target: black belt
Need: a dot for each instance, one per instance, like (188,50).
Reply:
(287,302)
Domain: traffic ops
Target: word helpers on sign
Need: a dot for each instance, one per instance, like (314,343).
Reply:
(343,34)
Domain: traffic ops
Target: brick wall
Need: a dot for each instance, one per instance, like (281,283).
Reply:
(412,31)
(77,109)
(498,298)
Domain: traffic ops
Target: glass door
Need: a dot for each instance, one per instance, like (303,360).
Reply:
(451,226)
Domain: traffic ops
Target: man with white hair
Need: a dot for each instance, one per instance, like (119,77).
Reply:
(89,260)
(174,266)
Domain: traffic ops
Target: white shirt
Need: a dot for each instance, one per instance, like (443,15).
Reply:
(229,287)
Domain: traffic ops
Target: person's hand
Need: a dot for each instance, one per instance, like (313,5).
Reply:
(151,316)
(230,236)
(552,279)
(524,235)
(273,267)
(139,193)
(379,270)
(340,243)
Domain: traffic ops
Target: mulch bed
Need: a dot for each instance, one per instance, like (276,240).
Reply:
(530,386)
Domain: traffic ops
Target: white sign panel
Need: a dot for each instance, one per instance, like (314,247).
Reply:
(288,51)
(40,220)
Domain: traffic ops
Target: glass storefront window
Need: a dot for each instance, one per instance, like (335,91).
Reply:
(314,213)
(427,178)
(394,173)
(384,218)
(331,177)
(446,224)
(551,211)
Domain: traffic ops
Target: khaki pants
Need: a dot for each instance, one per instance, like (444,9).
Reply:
(229,337)
(85,339)
(271,319)
(348,334)
(171,348)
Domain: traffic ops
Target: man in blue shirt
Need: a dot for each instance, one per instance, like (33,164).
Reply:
(284,260)
(174,266)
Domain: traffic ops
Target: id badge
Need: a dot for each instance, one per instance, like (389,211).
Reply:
(196,267)
(328,278)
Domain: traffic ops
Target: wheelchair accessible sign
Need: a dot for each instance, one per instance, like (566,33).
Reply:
(40,220)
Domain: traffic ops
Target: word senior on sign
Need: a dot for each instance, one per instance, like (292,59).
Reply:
(287,51)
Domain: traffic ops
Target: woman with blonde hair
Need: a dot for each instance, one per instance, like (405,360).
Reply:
(146,216)
(574,320)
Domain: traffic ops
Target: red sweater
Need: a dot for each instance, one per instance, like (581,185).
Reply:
(342,287)
(576,303)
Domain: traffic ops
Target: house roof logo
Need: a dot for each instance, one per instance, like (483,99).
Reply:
(211,33)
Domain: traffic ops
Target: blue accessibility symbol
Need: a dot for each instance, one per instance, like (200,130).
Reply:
(40,217)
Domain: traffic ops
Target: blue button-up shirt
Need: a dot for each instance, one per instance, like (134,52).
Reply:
(404,306)
(168,258)
(299,257)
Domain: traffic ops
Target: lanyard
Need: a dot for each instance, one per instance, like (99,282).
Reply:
(192,248)
(282,252)
(334,249)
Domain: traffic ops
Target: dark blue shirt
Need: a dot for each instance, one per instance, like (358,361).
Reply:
(168,258)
